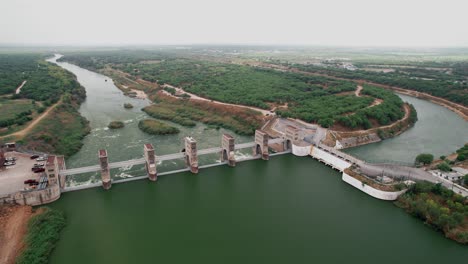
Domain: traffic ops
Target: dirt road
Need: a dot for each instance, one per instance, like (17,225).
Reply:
(18,90)
(196,97)
(13,227)
(457,108)
(31,125)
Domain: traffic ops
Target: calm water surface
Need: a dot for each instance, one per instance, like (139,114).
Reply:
(286,210)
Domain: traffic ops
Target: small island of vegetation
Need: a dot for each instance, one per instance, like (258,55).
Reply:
(155,127)
(116,124)
(128,106)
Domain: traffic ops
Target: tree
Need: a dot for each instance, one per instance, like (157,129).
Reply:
(444,166)
(443,157)
(425,158)
(461,157)
(465,179)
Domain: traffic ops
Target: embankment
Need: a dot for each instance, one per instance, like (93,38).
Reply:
(347,139)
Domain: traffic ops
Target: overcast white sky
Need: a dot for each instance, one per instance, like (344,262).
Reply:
(309,22)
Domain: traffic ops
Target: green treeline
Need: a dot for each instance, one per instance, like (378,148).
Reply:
(452,88)
(19,119)
(45,81)
(439,207)
(186,113)
(42,236)
(389,111)
(310,98)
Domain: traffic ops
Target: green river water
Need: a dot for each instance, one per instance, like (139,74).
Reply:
(286,210)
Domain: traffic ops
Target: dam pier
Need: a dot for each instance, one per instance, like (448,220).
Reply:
(290,141)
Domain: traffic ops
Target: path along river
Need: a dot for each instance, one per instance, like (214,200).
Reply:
(286,210)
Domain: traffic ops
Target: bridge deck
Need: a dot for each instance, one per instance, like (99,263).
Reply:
(172,156)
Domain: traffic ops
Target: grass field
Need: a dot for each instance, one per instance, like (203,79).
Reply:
(10,108)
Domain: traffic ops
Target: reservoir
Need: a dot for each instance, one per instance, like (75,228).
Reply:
(285,210)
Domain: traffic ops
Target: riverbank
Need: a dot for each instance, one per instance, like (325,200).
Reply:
(439,208)
(459,109)
(13,229)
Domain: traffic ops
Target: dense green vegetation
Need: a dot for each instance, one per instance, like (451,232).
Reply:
(438,207)
(10,109)
(462,153)
(155,127)
(424,158)
(389,111)
(42,236)
(451,87)
(61,132)
(310,98)
(116,124)
(243,122)
(45,81)
(444,166)
(19,119)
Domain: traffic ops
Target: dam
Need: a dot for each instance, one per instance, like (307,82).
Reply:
(291,141)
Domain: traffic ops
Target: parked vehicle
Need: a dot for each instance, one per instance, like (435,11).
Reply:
(10,159)
(42,158)
(29,181)
(34,157)
(38,165)
(9,163)
(37,170)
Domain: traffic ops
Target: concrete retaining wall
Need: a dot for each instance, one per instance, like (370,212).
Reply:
(34,198)
(300,150)
(382,195)
(329,159)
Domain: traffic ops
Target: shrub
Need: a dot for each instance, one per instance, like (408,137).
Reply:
(116,124)
(444,166)
(425,158)
(43,234)
(128,106)
(461,157)
(154,127)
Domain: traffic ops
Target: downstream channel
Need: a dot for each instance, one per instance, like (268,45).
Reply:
(286,210)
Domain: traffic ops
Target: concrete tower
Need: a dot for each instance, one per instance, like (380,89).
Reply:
(150,162)
(228,148)
(191,157)
(261,144)
(105,172)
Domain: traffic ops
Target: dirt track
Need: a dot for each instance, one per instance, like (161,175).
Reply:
(31,125)
(457,108)
(13,227)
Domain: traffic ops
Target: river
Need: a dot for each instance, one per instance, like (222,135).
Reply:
(286,210)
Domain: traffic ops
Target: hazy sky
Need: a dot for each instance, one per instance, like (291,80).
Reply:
(315,22)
